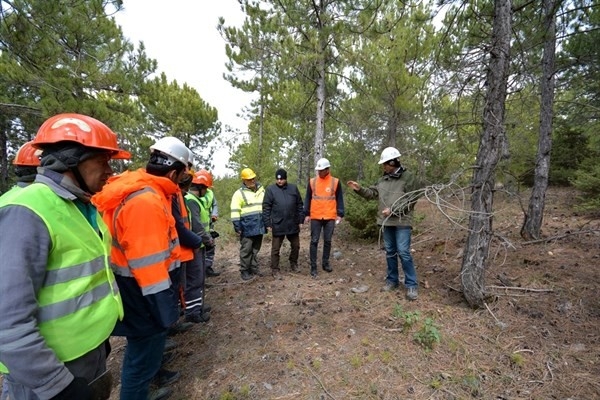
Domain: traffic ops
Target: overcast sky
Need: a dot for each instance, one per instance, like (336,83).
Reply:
(182,36)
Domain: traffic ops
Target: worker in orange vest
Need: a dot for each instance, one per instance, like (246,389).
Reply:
(324,208)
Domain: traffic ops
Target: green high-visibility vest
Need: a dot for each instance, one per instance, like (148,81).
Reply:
(204,212)
(79,302)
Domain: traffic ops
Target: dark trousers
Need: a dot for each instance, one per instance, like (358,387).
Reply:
(142,359)
(194,283)
(88,366)
(249,248)
(210,257)
(294,240)
(327,226)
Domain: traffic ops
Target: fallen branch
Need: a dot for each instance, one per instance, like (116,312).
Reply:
(320,383)
(551,238)
(520,288)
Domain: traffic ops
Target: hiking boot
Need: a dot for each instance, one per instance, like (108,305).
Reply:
(211,272)
(246,276)
(389,286)
(170,344)
(276,273)
(412,293)
(160,394)
(167,358)
(206,308)
(294,267)
(179,327)
(198,318)
(313,273)
(327,268)
(165,377)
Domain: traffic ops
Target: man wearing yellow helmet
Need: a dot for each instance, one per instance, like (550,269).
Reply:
(246,216)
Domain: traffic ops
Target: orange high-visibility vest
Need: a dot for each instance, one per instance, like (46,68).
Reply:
(187,254)
(136,206)
(323,204)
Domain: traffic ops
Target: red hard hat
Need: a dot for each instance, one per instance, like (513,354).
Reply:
(81,129)
(208,176)
(27,156)
(200,179)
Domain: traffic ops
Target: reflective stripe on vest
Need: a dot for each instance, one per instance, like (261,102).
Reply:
(147,284)
(79,298)
(323,203)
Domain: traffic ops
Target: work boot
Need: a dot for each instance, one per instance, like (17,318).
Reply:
(294,267)
(327,267)
(164,377)
(246,276)
(206,308)
(170,344)
(211,272)
(167,357)
(198,318)
(160,394)
(412,293)
(313,273)
(276,273)
(179,327)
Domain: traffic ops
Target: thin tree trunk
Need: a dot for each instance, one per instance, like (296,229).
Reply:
(4,126)
(320,128)
(532,225)
(490,149)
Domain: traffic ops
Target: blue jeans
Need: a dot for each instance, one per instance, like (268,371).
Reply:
(316,226)
(397,244)
(143,356)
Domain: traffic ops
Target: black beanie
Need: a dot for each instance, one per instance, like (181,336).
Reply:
(281,174)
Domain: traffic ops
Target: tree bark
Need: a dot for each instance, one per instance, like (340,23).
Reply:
(532,225)
(490,150)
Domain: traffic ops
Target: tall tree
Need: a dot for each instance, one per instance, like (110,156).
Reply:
(535,212)
(491,146)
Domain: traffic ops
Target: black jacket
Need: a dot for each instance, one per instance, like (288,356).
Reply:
(283,210)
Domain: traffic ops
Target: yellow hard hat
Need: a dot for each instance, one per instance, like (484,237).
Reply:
(247,173)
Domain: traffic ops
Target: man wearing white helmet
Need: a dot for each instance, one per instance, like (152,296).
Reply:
(395,217)
(145,256)
(324,208)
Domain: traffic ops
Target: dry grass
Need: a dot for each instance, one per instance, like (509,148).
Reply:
(300,338)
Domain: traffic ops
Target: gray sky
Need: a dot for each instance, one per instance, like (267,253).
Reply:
(182,36)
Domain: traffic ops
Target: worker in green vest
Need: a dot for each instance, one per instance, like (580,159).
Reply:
(59,301)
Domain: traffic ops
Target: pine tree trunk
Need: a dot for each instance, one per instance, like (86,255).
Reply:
(532,224)
(490,149)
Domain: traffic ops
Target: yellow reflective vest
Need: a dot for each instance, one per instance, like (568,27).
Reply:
(79,302)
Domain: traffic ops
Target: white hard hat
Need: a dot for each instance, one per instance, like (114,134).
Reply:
(389,153)
(173,148)
(322,164)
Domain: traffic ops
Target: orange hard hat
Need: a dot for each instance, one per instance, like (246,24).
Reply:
(27,156)
(200,179)
(81,129)
(208,176)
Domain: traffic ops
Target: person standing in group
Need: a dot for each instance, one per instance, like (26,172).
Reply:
(25,163)
(283,212)
(196,310)
(246,216)
(324,208)
(210,203)
(59,300)
(145,251)
(394,215)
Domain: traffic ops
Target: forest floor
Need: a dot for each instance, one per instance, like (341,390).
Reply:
(299,338)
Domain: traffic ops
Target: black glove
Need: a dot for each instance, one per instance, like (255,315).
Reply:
(78,389)
(214,234)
